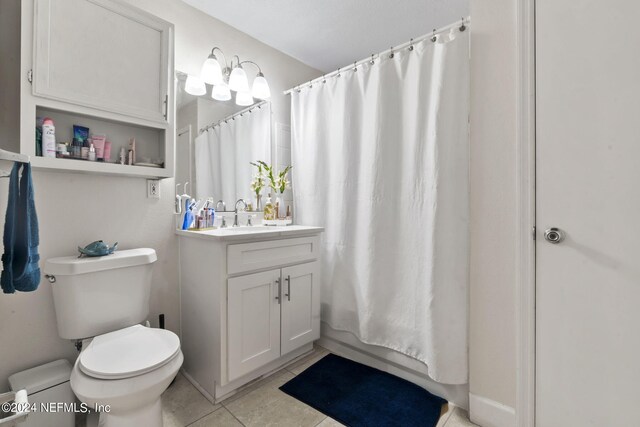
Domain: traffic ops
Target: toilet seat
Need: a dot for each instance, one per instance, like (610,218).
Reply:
(128,352)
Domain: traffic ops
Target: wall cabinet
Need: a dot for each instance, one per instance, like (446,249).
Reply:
(248,307)
(102,62)
(271,314)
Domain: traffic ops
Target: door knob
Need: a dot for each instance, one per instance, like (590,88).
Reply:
(554,235)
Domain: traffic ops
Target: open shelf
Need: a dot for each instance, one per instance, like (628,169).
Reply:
(150,144)
(100,168)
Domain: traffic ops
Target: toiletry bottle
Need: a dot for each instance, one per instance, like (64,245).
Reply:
(269,210)
(123,156)
(107,151)
(92,153)
(48,138)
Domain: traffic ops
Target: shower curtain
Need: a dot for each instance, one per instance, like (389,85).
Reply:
(223,154)
(380,159)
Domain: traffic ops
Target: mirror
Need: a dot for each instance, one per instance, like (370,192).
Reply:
(217,141)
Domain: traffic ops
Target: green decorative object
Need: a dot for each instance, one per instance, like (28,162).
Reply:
(97,248)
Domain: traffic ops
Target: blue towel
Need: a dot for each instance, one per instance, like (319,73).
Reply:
(20,269)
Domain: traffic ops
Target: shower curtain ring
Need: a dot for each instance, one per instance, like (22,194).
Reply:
(338,75)
(462,26)
(310,85)
(372,60)
(391,55)
(324,78)
(434,38)
(410,45)
(355,67)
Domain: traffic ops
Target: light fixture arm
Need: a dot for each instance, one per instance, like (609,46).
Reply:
(223,55)
(251,62)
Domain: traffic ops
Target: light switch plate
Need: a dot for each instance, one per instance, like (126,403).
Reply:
(153,189)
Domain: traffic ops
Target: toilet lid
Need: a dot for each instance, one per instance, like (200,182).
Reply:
(128,352)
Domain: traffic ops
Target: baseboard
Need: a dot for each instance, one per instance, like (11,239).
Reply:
(366,354)
(489,413)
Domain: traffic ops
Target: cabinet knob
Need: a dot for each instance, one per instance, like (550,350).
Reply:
(288,294)
(279,292)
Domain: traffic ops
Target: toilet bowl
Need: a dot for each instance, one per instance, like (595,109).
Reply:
(123,367)
(122,374)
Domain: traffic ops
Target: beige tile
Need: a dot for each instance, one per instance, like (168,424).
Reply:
(183,404)
(447,410)
(267,406)
(220,418)
(252,386)
(302,364)
(330,422)
(459,418)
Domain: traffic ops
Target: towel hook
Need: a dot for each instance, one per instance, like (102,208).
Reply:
(51,278)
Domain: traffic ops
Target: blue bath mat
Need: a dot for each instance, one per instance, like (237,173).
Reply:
(359,396)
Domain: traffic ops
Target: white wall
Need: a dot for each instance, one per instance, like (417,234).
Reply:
(77,209)
(493,201)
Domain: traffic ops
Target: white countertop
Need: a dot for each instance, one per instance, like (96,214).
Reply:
(257,232)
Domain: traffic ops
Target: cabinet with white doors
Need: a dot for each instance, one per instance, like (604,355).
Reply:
(102,64)
(271,314)
(250,303)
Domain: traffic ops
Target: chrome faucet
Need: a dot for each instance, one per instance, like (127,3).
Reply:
(224,206)
(235,220)
(224,209)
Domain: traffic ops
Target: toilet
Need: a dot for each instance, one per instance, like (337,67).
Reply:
(123,366)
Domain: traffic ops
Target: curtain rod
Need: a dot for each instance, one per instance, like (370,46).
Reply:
(461,24)
(233,116)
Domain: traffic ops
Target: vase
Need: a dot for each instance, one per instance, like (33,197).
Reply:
(258,202)
(281,206)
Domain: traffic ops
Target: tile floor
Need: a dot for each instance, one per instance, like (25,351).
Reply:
(261,404)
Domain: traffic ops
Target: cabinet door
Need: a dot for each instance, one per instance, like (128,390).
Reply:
(253,321)
(300,305)
(105,55)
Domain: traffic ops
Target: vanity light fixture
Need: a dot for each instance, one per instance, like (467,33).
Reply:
(221,92)
(211,71)
(238,80)
(244,98)
(226,78)
(195,86)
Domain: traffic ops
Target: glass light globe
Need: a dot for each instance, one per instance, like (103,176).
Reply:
(195,86)
(221,92)
(260,87)
(244,98)
(211,72)
(238,80)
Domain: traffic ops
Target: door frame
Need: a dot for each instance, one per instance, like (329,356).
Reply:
(525,216)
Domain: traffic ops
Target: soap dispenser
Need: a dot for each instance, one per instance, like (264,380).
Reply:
(269,210)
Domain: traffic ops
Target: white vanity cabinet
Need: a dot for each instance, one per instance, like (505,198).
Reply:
(250,303)
(271,314)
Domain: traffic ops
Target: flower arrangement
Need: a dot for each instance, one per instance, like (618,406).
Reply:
(258,182)
(277,180)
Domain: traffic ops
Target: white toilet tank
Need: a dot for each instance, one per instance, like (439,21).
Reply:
(93,296)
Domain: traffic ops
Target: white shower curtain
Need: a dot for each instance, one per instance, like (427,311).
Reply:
(223,155)
(380,159)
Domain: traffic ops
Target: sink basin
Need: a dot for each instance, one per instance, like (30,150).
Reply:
(247,229)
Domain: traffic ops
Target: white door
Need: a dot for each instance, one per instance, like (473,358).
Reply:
(253,321)
(300,306)
(103,54)
(588,186)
